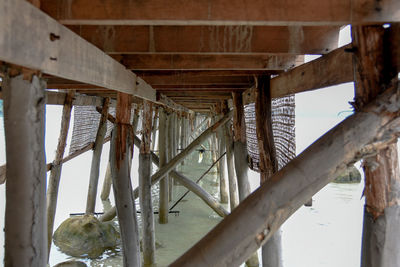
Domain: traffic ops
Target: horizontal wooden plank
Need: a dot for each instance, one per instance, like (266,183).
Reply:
(187,74)
(197,94)
(125,39)
(32,39)
(331,69)
(222,12)
(209,61)
(198,80)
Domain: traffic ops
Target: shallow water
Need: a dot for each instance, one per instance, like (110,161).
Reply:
(325,235)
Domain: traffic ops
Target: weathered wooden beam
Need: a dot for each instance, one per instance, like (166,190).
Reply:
(257,218)
(120,173)
(173,77)
(272,250)
(240,146)
(58,98)
(126,39)
(171,151)
(195,188)
(53,49)
(233,189)
(210,61)
(95,165)
(163,153)
(146,74)
(240,159)
(331,69)
(154,128)
(373,72)
(223,179)
(106,189)
(171,104)
(55,173)
(223,12)
(25,242)
(146,205)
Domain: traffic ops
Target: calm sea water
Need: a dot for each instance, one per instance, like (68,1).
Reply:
(325,235)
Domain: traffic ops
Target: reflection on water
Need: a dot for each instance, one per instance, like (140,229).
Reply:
(327,234)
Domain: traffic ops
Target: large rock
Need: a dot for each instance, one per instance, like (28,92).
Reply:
(351,175)
(85,236)
(71,264)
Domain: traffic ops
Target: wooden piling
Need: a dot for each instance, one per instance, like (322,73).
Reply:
(121,180)
(240,147)
(171,151)
(223,180)
(182,135)
(272,250)
(163,154)
(240,155)
(146,205)
(233,188)
(55,173)
(135,123)
(232,181)
(374,71)
(95,167)
(154,129)
(105,191)
(25,215)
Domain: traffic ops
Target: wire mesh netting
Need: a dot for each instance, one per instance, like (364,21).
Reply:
(283,126)
(86,124)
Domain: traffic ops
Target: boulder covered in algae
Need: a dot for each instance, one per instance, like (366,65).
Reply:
(71,264)
(350,175)
(85,236)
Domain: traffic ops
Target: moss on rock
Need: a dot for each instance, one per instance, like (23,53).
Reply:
(85,236)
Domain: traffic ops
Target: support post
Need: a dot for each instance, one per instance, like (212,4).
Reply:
(373,73)
(163,154)
(136,115)
(240,153)
(233,188)
(95,167)
(223,180)
(55,174)
(154,131)
(25,215)
(258,217)
(182,133)
(240,147)
(171,151)
(146,206)
(121,180)
(105,191)
(232,181)
(272,250)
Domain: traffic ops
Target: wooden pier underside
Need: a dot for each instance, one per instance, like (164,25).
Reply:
(191,57)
